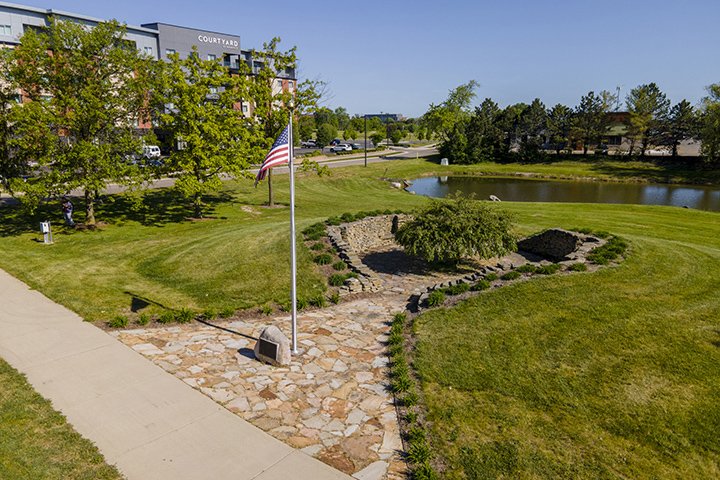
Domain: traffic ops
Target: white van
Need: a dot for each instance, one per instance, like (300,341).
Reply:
(151,151)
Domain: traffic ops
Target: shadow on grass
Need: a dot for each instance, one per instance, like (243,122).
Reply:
(138,302)
(156,208)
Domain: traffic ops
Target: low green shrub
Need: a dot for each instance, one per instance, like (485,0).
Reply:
(527,268)
(335,298)
(436,298)
(395,338)
(340,266)
(419,451)
(337,279)
(410,399)
(401,383)
(120,321)
(348,217)
(301,303)
(399,318)
(491,277)
(548,269)
(457,289)
(334,221)
(411,417)
(578,267)
(318,300)
(480,285)
(323,259)
(167,316)
(513,275)
(210,314)
(266,309)
(184,315)
(226,312)
(423,471)
(318,246)
(143,319)
(614,248)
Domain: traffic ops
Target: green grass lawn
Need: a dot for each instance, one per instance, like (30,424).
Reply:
(613,374)
(37,443)
(153,257)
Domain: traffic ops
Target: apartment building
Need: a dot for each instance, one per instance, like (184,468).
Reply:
(157,40)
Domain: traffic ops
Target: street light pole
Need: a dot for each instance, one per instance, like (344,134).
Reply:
(366,140)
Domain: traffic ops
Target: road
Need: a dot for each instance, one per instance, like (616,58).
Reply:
(330,160)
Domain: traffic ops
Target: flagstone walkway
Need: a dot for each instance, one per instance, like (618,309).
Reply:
(332,401)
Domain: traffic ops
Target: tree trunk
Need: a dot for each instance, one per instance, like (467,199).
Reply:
(197,205)
(89,208)
(674,149)
(271,202)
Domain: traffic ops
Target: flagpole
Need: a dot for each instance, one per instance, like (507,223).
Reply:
(293,260)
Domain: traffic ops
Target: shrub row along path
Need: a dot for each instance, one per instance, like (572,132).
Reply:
(146,422)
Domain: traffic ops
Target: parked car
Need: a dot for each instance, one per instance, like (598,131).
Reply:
(151,152)
(341,147)
(356,146)
(309,144)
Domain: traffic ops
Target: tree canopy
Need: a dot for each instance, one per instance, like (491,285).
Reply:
(87,90)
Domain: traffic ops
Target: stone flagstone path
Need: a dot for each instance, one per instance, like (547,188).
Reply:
(332,401)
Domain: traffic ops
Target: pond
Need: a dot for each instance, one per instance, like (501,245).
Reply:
(528,190)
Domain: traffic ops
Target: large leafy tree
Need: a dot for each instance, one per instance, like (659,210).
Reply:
(509,122)
(682,124)
(200,102)
(12,167)
(85,89)
(273,102)
(447,231)
(558,126)
(710,124)
(648,107)
(449,119)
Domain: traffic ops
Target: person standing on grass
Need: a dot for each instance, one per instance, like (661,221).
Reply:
(67,208)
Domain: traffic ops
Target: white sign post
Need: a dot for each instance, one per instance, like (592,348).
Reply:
(47,232)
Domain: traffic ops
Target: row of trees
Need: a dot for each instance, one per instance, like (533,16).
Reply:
(325,124)
(85,92)
(489,133)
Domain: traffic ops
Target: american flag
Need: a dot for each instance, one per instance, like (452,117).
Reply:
(279,154)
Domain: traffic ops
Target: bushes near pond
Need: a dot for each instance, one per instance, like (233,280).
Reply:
(480,285)
(457,289)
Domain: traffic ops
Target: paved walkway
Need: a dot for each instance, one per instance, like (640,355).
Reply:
(147,422)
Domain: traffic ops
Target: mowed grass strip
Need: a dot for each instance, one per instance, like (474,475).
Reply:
(613,374)
(36,442)
(156,257)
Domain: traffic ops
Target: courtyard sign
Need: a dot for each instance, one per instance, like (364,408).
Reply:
(218,41)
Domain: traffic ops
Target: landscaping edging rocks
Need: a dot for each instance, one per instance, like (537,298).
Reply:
(583,245)
(352,238)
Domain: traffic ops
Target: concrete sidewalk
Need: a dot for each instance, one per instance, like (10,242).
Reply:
(144,420)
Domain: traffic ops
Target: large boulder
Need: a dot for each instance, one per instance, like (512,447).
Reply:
(273,347)
(554,244)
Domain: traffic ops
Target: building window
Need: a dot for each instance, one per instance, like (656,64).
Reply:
(169,51)
(244,108)
(148,51)
(212,57)
(290,84)
(213,90)
(5,29)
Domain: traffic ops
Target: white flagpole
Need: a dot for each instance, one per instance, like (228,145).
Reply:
(293,261)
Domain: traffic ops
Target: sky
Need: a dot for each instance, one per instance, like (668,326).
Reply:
(399,56)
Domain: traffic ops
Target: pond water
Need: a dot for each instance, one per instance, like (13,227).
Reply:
(528,190)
